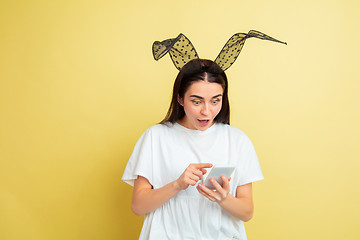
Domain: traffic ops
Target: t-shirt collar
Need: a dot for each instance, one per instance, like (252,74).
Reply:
(193,131)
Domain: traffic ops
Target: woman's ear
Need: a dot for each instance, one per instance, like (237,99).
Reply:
(180,100)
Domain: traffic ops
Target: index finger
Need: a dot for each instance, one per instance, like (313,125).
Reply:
(226,184)
(202,165)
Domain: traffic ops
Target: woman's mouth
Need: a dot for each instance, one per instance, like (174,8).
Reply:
(203,123)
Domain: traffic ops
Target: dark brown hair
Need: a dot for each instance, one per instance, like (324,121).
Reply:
(192,72)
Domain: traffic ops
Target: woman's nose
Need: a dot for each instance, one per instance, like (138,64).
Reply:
(205,109)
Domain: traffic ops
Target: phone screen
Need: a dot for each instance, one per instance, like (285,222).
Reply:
(217,172)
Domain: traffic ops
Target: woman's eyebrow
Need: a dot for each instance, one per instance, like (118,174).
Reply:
(196,96)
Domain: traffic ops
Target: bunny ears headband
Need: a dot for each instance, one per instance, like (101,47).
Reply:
(182,51)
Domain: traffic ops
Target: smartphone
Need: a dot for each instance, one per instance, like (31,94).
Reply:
(217,172)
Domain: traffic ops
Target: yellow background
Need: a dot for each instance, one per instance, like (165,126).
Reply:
(78,86)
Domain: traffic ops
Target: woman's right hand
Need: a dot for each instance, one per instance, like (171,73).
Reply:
(192,174)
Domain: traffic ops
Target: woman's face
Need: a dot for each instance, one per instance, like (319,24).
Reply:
(202,103)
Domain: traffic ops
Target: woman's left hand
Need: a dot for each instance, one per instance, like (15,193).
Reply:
(219,194)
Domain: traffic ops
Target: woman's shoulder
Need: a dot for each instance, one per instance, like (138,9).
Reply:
(233,132)
(231,129)
(160,128)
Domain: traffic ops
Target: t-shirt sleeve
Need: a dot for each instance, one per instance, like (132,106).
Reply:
(249,168)
(140,162)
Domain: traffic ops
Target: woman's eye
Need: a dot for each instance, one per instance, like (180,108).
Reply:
(196,102)
(215,101)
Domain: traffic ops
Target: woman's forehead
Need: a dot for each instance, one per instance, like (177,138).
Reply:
(204,88)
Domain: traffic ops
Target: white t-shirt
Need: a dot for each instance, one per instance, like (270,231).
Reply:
(162,154)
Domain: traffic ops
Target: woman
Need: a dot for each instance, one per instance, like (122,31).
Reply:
(170,160)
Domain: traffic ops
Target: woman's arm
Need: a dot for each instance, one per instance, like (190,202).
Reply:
(146,199)
(240,206)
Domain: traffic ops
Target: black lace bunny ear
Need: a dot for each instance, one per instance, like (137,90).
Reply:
(182,52)
(180,49)
(232,48)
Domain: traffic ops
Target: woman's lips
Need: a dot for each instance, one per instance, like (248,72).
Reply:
(203,123)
